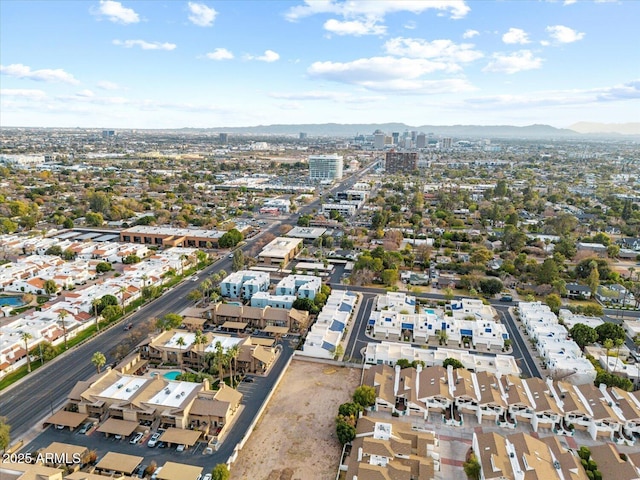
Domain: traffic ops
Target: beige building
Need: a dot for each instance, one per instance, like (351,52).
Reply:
(280,251)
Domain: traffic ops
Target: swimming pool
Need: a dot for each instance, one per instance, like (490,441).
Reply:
(172,375)
(11,301)
(429,311)
(237,304)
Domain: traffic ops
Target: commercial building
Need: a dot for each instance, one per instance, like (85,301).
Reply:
(325,167)
(401,162)
(280,251)
(244,284)
(171,237)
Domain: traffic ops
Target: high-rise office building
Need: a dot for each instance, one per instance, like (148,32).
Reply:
(446,142)
(303,136)
(325,167)
(421,140)
(223,138)
(396,137)
(378,140)
(401,162)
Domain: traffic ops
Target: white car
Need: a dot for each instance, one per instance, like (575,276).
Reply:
(153,440)
(136,438)
(207,477)
(180,448)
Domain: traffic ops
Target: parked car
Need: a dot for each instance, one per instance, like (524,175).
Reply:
(180,448)
(85,428)
(118,437)
(207,477)
(136,438)
(155,474)
(162,445)
(60,427)
(248,379)
(153,441)
(139,472)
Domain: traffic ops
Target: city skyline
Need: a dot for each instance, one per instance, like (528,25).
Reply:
(176,64)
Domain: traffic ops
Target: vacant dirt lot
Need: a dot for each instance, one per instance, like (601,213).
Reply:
(296,439)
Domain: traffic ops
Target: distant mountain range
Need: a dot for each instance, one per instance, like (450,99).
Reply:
(466,131)
(603,128)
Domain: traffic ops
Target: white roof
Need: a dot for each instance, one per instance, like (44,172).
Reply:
(174,394)
(124,387)
(188,338)
(226,342)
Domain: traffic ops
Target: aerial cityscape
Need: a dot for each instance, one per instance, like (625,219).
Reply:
(299,240)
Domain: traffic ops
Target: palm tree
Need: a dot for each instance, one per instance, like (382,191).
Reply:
(199,340)
(205,286)
(122,290)
(95,303)
(25,337)
(220,362)
(181,343)
(98,359)
(183,257)
(608,345)
(443,338)
(62,314)
(233,353)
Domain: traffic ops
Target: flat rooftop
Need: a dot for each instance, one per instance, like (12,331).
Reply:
(174,394)
(124,387)
(226,342)
(279,247)
(188,338)
(177,232)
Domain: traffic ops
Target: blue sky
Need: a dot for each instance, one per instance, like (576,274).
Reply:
(173,64)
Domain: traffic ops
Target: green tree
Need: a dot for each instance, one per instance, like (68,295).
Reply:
(194,295)
(50,287)
(220,472)
(103,267)
(94,219)
(5,433)
(365,395)
(181,343)
(230,239)
(389,276)
(609,330)
(98,359)
(68,223)
(548,272)
(62,315)
(472,468)
(25,337)
(305,304)
(169,321)
(455,363)
(345,431)
(583,334)
(112,312)
(593,280)
(554,302)
(491,286)
(131,259)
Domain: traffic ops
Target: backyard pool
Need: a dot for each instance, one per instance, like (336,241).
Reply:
(172,375)
(11,301)
(429,311)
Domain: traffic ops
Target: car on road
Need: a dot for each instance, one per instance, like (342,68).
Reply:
(136,438)
(180,448)
(207,477)
(194,279)
(127,326)
(153,441)
(248,379)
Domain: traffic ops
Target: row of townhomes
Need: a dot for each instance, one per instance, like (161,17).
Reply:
(562,356)
(327,331)
(521,456)
(398,316)
(506,400)
(395,450)
(73,309)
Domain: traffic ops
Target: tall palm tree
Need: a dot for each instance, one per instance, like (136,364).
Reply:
(220,362)
(98,359)
(122,290)
(233,353)
(181,343)
(200,339)
(25,337)
(618,343)
(95,303)
(205,287)
(62,314)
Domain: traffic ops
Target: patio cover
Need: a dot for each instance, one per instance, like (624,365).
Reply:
(276,330)
(68,419)
(180,436)
(118,427)
(265,342)
(68,450)
(119,462)
(234,325)
(179,471)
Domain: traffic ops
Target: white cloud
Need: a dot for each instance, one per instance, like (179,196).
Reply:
(86,93)
(513,62)
(441,50)
(18,70)
(470,33)
(144,45)
(219,54)
(562,34)
(569,2)
(410,25)
(23,93)
(390,73)
(201,15)
(268,56)
(321,95)
(354,27)
(516,35)
(106,85)
(116,12)
(375,8)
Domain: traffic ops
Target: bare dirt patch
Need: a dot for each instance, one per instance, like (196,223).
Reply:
(296,437)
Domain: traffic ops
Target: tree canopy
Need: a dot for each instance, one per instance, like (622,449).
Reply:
(365,395)
(583,334)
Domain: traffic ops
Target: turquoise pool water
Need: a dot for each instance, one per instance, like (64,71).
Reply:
(429,311)
(238,304)
(172,375)
(12,301)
